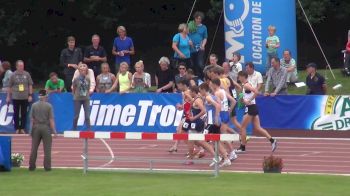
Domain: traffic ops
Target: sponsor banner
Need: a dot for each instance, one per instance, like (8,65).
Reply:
(152,112)
(305,112)
(147,112)
(246,23)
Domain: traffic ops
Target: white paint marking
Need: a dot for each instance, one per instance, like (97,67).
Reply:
(110,152)
(149,146)
(308,154)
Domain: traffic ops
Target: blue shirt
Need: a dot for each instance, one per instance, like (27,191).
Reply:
(121,45)
(183,44)
(198,36)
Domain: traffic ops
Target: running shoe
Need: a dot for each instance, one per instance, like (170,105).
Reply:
(274,145)
(233,156)
(226,162)
(214,161)
(239,150)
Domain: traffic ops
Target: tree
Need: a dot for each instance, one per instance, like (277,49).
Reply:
(316,10)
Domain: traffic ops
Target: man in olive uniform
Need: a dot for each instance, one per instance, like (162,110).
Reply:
(43,124)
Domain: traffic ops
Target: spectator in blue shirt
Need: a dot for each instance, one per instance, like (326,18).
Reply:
(199,37)
(123,47)
(182,46)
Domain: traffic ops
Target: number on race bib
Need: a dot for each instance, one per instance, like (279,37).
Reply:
(246,109)
(193,125)
(185,125)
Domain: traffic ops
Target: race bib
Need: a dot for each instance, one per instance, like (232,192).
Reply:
(246,109)
(20,87)
(185,125)
(193,125)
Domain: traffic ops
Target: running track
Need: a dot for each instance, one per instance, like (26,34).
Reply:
(305,155)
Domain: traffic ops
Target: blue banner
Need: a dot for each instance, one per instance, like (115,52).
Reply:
(151,112)
(246,23)
(147,112)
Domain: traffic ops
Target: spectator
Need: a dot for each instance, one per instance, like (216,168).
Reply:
(182,46)
(277,77)
(272,44)
(213,60)
(123,79)
(69,59)
(347,55)
(43,124)
(182,73)
(95,54)
(123,48)
(105,80)
(236,66)
(20,89)
(199,37)
(91,76)
(141,81)
(193,80)
(316,83)
(164,77)
(81,95)
(254,77)
(6,67)
(288,62)
(54,84)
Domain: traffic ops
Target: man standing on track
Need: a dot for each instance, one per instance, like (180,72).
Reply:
(43,124)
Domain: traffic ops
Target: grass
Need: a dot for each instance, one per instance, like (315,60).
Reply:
(340,79)
(73,182)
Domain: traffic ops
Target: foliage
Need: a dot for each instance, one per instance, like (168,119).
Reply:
(316,10)
(17,158)
(272,163)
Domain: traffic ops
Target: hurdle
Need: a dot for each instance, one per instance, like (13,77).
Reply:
(86,135)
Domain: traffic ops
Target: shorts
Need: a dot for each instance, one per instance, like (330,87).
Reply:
(196,125)
(252,110)
(213,129)
(224,117)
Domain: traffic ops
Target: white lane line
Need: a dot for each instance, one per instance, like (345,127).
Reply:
(110,152)
(148,147)
(308,154)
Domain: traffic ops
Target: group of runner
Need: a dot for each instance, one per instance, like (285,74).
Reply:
(209,108)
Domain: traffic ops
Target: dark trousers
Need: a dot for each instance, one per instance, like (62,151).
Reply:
(77,106)
(197,59)
(347,60)
(39,133)
(20,108)
(68,81)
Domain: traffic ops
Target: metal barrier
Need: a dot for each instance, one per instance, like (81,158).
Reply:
(86,135)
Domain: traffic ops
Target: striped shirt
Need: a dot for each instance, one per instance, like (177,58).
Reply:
(277,78)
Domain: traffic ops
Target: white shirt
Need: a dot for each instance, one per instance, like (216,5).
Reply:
(91,76)
(255,79)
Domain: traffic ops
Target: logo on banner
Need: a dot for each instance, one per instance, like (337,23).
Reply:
(235,24)
(336,114)
(144,113)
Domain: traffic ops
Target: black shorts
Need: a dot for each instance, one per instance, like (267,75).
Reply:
(252,110)
(196,125)
(213,129)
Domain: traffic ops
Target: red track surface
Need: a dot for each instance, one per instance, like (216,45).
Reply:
(299,155)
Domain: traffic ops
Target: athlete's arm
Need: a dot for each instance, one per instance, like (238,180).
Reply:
(232,101)
(248,86)
(200,105)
